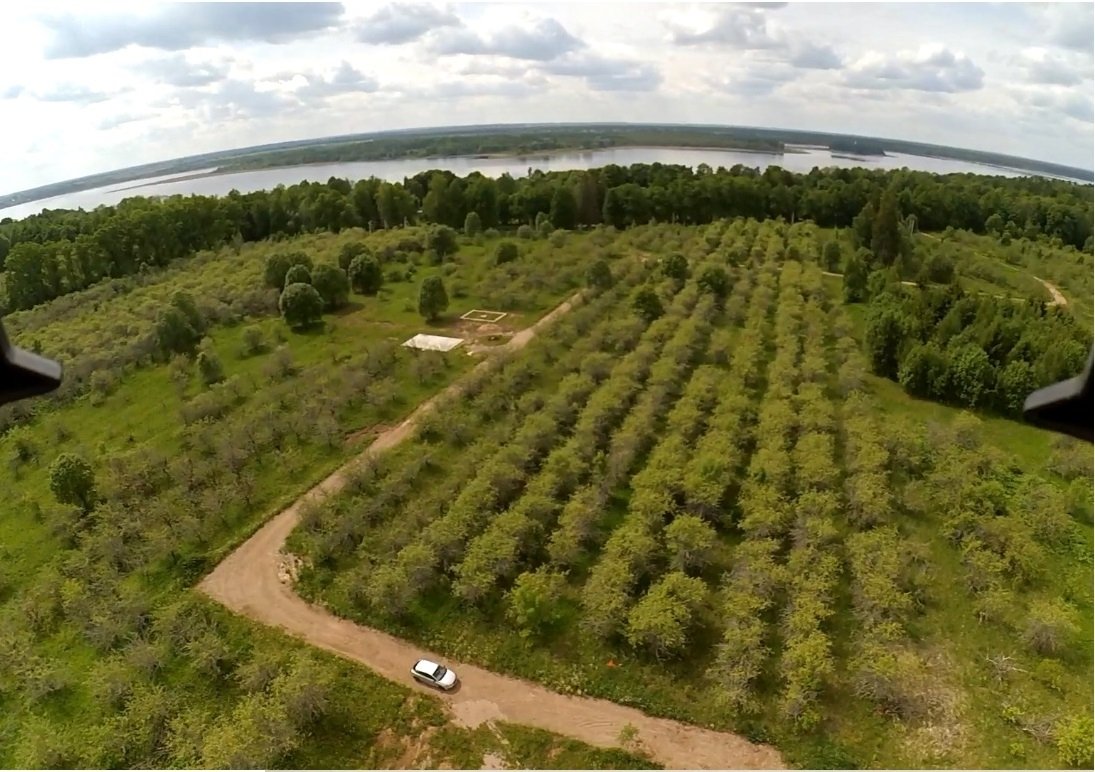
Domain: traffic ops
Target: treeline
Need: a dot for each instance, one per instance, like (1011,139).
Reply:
(56,252)
(970,350)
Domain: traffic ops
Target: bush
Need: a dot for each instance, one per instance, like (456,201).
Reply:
(646,304)
(254,342)
(210,369)
(1049,626)
(442,240)
(472,224)
(298,274)
(332,285)
(533,603)
(524,232)
(1074,741)
(300,305)
(432,298)
(505,252)
(349,251)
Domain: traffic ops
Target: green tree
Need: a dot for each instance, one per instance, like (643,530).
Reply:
(173,332)
(855,278)
(505,252)
(863,225)
(690,542)
(675,266)
(442,240)
(524,232)
(210,369)
(886,230)
(599,275)
(277,265)
(1013,384)
(72,481)
(971,374)
(887,327)
(298,274)
(432,298)
(366,275)
(332,285)
(473,224)
(660,621)
(924,371)
(938,268)
(300,305)
(533,603)
(348,252)
(646,304)
(831,256)
(564,208)
(994,224)
(715,280)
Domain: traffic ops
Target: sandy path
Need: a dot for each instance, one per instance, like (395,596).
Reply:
(247,582)
(1058,298)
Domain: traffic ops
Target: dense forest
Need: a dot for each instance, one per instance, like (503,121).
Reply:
(56,252)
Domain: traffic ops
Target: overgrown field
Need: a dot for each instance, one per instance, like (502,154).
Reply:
(107,659)
(703,503)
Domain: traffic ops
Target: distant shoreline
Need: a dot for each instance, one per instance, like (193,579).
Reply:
(222,171)
(504,141)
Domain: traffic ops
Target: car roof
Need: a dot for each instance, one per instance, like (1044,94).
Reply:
(425,666)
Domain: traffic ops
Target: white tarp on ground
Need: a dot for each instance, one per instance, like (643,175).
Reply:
(433,342)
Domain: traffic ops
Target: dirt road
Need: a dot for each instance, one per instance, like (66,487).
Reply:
(1058,298)
(248,582)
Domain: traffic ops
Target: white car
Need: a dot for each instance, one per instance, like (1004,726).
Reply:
(432,674)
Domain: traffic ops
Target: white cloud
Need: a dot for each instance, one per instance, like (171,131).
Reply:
(404,22)
(929,68)
(89,87)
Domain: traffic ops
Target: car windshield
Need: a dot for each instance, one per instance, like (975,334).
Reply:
(439,673)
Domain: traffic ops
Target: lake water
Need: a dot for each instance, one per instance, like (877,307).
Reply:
(803,160)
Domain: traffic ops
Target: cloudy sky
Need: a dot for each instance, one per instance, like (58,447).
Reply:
(87,89)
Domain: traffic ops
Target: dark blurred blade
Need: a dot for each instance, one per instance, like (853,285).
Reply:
(1064,407)
(23,374)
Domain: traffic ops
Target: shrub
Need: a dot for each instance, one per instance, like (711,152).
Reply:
(1049,626)
(300,305)
(442,240)
(533,603)
(505,252)
(332,285)
(298,274)
(1074,741)
(254,342)
(349,251)
(432,298)
(524,232)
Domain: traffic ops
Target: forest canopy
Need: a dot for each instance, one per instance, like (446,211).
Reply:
(61,251)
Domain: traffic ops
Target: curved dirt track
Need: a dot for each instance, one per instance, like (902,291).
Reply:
(1058,298)
(248,582)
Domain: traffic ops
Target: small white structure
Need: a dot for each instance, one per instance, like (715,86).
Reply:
(478,315)
(433,342)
